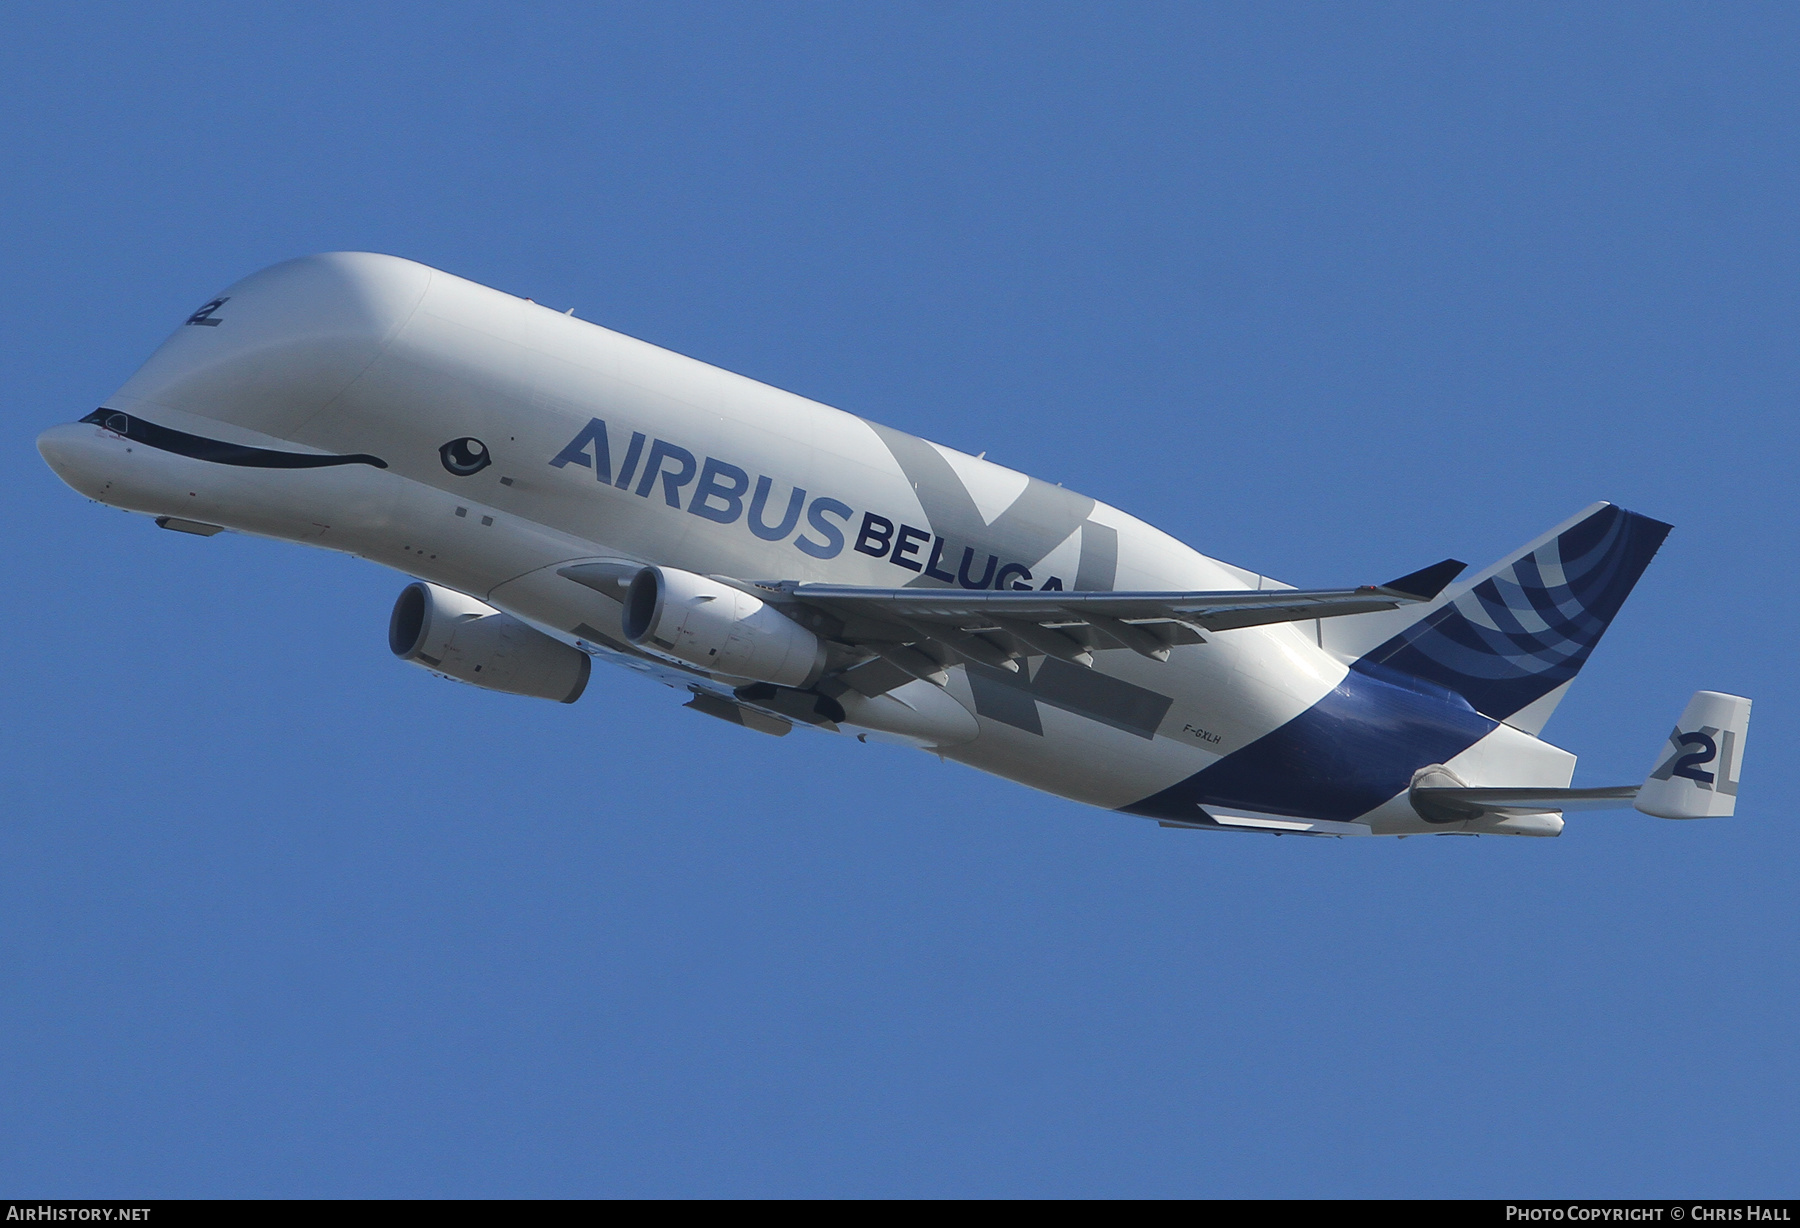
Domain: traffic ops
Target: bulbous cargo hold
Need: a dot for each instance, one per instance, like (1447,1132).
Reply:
(448,633)
(719,628)
(787,562)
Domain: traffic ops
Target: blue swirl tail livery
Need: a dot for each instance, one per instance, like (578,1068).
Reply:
(1525,626)
(559,493)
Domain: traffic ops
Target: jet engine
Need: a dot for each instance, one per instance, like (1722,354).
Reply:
(719,628)
(462,638)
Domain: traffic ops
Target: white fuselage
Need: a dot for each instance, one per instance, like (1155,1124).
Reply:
(366,354)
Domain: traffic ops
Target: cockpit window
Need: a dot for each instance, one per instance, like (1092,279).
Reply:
(217,450)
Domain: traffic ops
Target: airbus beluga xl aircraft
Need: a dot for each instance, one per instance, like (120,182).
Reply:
(563,493)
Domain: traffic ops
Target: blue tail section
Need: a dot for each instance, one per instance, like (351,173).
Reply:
(1521,629)
(1525,627)
(1341,758)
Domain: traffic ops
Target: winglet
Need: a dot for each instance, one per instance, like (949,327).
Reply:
(1427,583)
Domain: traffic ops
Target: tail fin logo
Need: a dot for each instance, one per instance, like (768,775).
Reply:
(1696,774)
(1689,753)
(1530,625)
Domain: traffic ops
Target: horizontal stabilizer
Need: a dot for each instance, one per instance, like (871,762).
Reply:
(1427,582)
(1445,804)
(1696,776)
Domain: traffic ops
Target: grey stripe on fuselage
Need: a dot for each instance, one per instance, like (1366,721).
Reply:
(1039,520)
(1012,699)
(1099,558)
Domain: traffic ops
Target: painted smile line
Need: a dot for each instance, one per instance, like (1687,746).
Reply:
(216,450)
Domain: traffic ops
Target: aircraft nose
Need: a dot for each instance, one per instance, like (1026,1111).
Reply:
(76,454)
(60,444)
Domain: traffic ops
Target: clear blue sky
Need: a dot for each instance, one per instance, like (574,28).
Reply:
(1331,291)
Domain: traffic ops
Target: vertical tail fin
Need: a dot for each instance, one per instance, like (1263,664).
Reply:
(1522,628)
(1696,775)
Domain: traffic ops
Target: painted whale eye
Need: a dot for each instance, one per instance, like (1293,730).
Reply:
(465,456)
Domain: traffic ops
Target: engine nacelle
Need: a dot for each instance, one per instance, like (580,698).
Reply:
(462,638)
(721,629)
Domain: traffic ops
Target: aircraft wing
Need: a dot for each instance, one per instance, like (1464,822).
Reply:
(982,611)
(922,630)
(907,633)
